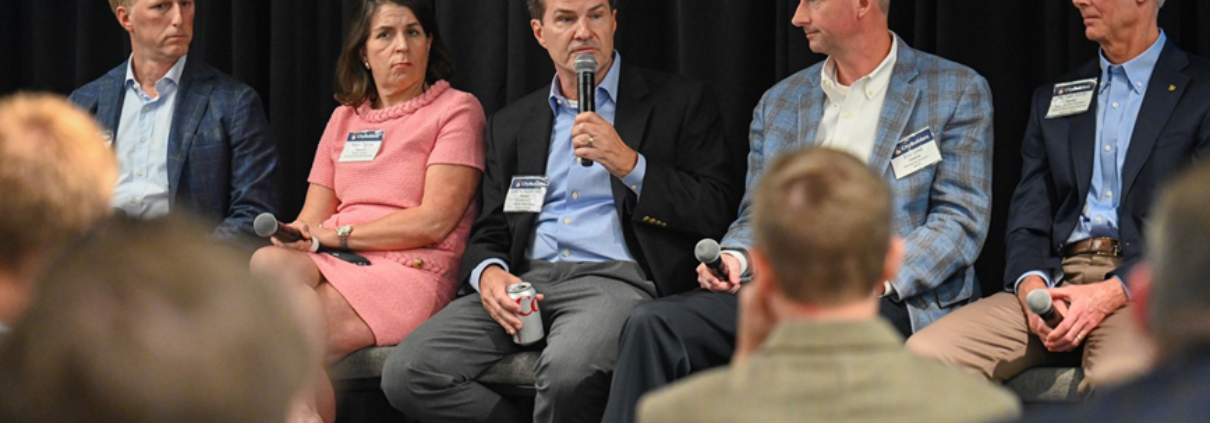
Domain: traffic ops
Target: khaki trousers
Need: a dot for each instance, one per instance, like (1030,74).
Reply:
(990,337)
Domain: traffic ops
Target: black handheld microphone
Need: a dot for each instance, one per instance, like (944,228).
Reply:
(266,225)
(708,252)
(586,79)
(1040,303)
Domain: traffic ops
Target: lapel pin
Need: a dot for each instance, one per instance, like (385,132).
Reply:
(1171,88)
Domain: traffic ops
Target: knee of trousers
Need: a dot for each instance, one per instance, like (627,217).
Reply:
(648,321)
(571,377)
(409,376)
(930,344)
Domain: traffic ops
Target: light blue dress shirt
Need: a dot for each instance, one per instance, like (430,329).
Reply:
(142,144)
(579,220)
(1119,99)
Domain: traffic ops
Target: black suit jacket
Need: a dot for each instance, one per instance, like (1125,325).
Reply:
(1172,130)
(689,191)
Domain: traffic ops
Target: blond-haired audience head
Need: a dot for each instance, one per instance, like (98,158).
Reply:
(56,180)
(153,322)
(823,223)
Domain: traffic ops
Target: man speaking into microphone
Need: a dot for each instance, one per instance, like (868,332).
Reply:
(594,241)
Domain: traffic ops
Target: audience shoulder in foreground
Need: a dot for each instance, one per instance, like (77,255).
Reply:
(151,322)
(811,344)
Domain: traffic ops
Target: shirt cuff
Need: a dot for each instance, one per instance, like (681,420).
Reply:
(739,256)
(1125,288)
(634,180)
(478,272)
(1037,273)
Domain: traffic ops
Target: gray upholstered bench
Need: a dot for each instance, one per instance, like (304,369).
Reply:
(514,375)
(1047,384)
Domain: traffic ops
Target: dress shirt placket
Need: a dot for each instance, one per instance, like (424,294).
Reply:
(1111,139)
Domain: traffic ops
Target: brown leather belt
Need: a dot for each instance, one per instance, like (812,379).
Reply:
(1098,246)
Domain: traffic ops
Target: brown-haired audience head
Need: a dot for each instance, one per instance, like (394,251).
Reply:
(355,82)
(153,322)
(823,223)
(1178,307)
(56,180)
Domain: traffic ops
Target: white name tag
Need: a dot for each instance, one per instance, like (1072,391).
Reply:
(526,194)
(1072,98)
(362,146)
(915,152)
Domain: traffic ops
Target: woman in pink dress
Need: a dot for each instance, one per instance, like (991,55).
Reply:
(394,180)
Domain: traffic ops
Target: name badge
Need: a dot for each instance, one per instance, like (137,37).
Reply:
(362,146)
(915,152)
(1072,98)
(526,194)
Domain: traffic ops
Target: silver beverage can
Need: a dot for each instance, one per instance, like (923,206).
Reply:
(531,319)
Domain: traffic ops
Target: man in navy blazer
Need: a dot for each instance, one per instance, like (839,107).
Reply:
(187,137)
(1172,301)
(1097,148)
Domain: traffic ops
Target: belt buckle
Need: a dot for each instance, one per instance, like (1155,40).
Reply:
(1117,251)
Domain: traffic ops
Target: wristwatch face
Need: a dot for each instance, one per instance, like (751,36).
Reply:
(344,230)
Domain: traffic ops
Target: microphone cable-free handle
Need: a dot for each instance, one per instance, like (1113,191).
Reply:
(586,75)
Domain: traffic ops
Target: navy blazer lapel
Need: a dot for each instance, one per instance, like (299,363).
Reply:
(630,122)
(897,109)
(1083,134)
(191,103)
(111,98)
(1163,92)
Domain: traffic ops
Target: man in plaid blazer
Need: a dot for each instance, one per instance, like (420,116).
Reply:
(187,137)
(920,121)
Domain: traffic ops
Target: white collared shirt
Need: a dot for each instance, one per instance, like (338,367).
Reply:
(851,113)
(141,144)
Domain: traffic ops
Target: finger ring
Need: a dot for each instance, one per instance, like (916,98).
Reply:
(1078,337)
(591,140)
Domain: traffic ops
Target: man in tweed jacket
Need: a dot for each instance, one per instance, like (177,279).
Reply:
(896,109)
(187,137)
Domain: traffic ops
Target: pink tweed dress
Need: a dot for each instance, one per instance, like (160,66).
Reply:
(401,289)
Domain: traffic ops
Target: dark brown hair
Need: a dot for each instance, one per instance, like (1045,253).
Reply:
(355,83)
(537,8)
(124,329)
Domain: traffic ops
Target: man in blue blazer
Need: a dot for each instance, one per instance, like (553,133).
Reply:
(923,123)
(1098,146)
(187,137)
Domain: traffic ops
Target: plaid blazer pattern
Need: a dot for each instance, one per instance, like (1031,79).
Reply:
(943,211)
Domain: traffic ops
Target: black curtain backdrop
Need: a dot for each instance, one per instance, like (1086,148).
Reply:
(287,49)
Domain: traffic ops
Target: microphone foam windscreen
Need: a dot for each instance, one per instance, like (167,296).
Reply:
(586,63)
(706,250)
(265,225)
(1039,302)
